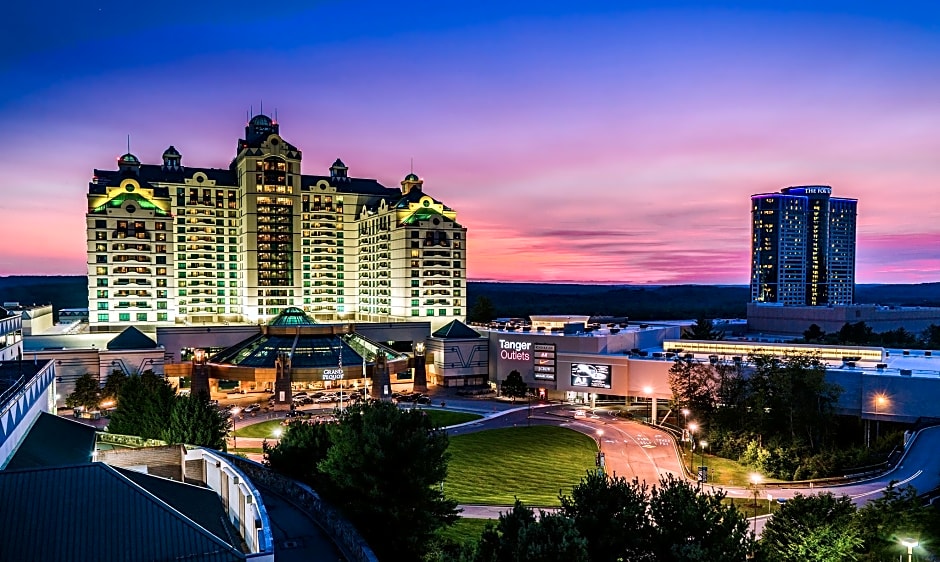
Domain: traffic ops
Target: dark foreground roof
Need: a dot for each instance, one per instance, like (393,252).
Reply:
(92,512)
(54,441)
(201,505)
(455,330)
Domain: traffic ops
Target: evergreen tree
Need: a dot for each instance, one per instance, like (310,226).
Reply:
(144,405)
(519,537)
(298,454)
(814,334)
(690,526)
(513,386)
(482,310)
(611,514)
(387,465)
(818,527)
(897,514)
(703,329)
(112,386)
(86,394)
(194,421)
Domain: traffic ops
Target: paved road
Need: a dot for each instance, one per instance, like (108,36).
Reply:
(638,450)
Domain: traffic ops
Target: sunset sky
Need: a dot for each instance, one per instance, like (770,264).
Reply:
(578,141)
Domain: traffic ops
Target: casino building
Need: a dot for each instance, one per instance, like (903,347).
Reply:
(170,244)
(803,247)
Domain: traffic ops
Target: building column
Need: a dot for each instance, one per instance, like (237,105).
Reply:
(419,363)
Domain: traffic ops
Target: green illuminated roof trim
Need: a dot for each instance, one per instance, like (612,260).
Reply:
(421,214)
(144,203)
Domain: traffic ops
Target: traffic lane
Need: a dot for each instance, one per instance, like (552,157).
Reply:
(918,468)
(634,450)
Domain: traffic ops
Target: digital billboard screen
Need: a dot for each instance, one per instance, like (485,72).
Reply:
(589,375)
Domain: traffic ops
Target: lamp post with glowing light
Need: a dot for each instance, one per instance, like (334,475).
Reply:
(648,391)
(702,473)
(911,544)
(756,479)
(880,401)
(277,433)
(235,412)
(692,428)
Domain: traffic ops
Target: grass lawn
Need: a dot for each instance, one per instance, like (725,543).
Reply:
(746,505)
(531,463)
(465,530)
(444,418)
(246,450)
(724,471)
(263,429)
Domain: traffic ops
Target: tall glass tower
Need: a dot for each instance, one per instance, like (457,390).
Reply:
(803,247)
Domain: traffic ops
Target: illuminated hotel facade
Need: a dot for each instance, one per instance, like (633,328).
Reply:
(803,247)
(169,244)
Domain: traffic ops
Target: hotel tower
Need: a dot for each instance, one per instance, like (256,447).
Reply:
(171,244)
(803,247)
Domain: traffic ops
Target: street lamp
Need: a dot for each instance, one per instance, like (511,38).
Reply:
(600,453)
(277,432)
(648,390)
(756,479)
(911,544)
(880,401)
(701,476)
(692,428)
(235,412)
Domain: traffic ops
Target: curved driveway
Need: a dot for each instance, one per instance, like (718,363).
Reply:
(635,450)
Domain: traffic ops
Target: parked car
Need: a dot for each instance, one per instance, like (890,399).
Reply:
(422,400)
(300,394)
(252,408)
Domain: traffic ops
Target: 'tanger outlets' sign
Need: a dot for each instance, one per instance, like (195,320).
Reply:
(515,350)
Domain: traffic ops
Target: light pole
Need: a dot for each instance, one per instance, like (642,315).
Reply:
(235,412)
(911,544)
(648,390)
(277,433)
(755,482)
(880,401)
(600,452)
(692,427)
(702,473)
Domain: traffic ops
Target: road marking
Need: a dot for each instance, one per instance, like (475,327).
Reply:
(898,485)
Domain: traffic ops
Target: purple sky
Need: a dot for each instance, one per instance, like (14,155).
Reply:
(607,144)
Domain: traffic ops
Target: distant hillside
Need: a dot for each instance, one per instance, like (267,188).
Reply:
(523,299)
(62,291)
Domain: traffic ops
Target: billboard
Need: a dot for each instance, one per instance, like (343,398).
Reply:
(590,375)
(531,359)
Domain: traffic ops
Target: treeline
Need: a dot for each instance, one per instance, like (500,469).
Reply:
(60,291)
(774,414)
(860,333)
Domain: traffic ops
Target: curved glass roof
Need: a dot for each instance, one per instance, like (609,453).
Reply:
(292,316)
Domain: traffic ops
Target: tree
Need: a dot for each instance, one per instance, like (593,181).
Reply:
(388,465)
(144,406)
(693,385)
(897,514)
(858,333)
(687,525)
(298,453)
(519,536)
(814,334)
(611,514)
(482,310)
(112,386)
(703,329)
(931,337)
(513,386)
(86,394)
(194,421)
(815,527)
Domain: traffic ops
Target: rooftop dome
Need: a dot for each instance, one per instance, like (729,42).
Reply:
(262,120)
(171,152)
(292,316)
(128,159)
(412,177)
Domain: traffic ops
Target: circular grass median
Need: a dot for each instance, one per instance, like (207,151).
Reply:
(263,429)
(530,463)
(445,418)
